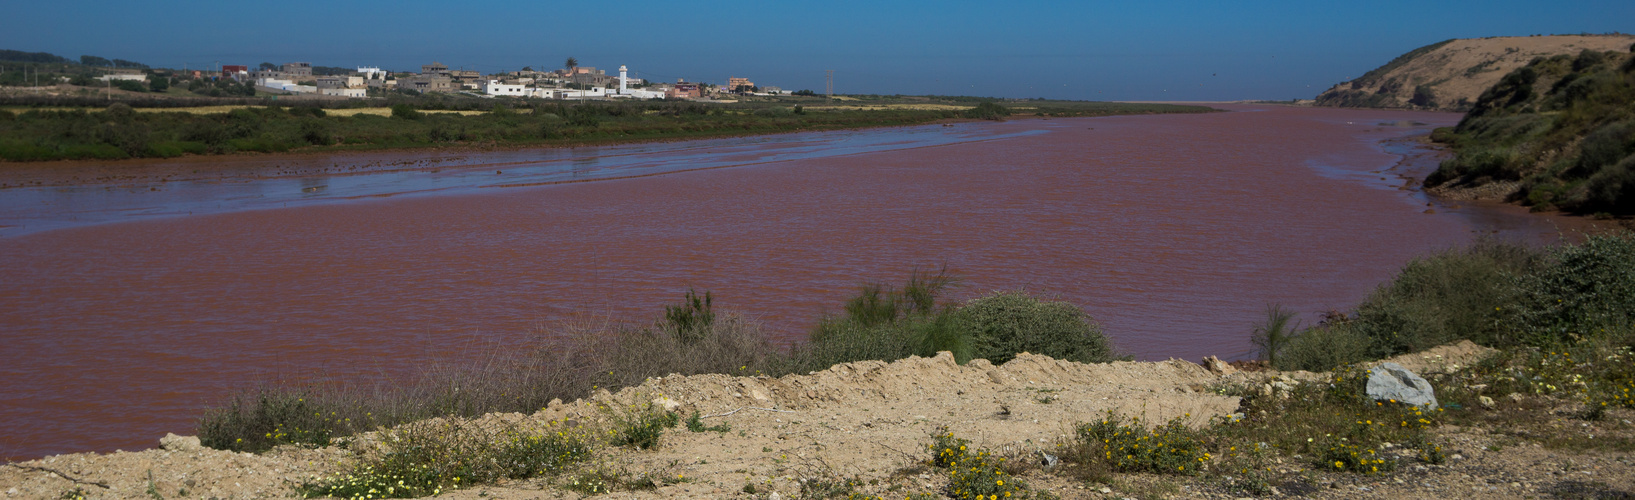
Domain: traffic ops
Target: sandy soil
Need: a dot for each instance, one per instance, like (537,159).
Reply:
(871,421)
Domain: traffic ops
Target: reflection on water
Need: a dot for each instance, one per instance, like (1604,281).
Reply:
(34,209)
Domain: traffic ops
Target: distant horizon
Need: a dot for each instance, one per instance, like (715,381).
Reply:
(1191,50)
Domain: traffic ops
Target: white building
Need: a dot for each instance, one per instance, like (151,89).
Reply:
(626,92)
(638,94)
(286,85)
(592,93)
(135,77)
(550,93)
(494,87)
(356,93)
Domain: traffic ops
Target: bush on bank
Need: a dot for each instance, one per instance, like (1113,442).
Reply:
(882,322)
(1497,295)
(1563,313)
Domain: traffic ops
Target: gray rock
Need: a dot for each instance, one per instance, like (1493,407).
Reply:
(1392,381)
(173,442)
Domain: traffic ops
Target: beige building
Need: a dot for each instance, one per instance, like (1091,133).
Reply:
(427,83)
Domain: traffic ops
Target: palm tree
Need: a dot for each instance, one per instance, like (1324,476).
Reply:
(571,64)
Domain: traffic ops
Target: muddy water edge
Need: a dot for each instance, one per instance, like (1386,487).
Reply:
(1174,231)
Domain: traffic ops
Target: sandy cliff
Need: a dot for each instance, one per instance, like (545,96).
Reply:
(1450,75)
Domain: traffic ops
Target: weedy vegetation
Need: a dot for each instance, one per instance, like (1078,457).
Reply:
(1561,318)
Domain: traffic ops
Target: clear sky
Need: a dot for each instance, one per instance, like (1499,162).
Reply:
(1150,50)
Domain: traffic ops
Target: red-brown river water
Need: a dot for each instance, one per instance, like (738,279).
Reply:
(1174,231)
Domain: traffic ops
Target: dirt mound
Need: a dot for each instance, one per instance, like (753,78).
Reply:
(865,420)
(868,422)
(1442,359)
(1450,75)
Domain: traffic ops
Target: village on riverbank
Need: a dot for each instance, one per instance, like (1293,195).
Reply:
(50,73)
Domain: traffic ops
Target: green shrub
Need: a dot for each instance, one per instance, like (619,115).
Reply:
(641,425)
(626,357)
(877,303)
(1603,147)
(886,323)
(1424,96)
(11,150)
(1274,335)
(775,111)
(316,132)
(259,144)
(406,112)
(1452,295)
(988,110)
(1588,59)
(1610,190)
(171,149)
(1324,347)
(695,423)
(836,341)
(937,333)
(163,150)
(1500,164)
(1587,290)
(690,320)
(92,152)
(130,85)
(1005,324)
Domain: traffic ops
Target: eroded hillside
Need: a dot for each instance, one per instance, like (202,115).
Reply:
(1451,75)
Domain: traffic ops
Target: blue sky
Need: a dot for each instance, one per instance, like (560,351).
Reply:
(1180,50)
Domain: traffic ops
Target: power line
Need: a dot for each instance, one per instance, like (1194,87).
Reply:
(829,84)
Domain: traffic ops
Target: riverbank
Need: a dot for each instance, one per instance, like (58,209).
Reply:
(118,132)
(247,167)
(862,430)
(1079,209)
(1421,157)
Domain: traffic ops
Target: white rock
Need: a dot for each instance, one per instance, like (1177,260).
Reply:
(173,442)
(667,403)
(1392,381)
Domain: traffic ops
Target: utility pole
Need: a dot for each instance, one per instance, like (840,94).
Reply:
(829,84)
